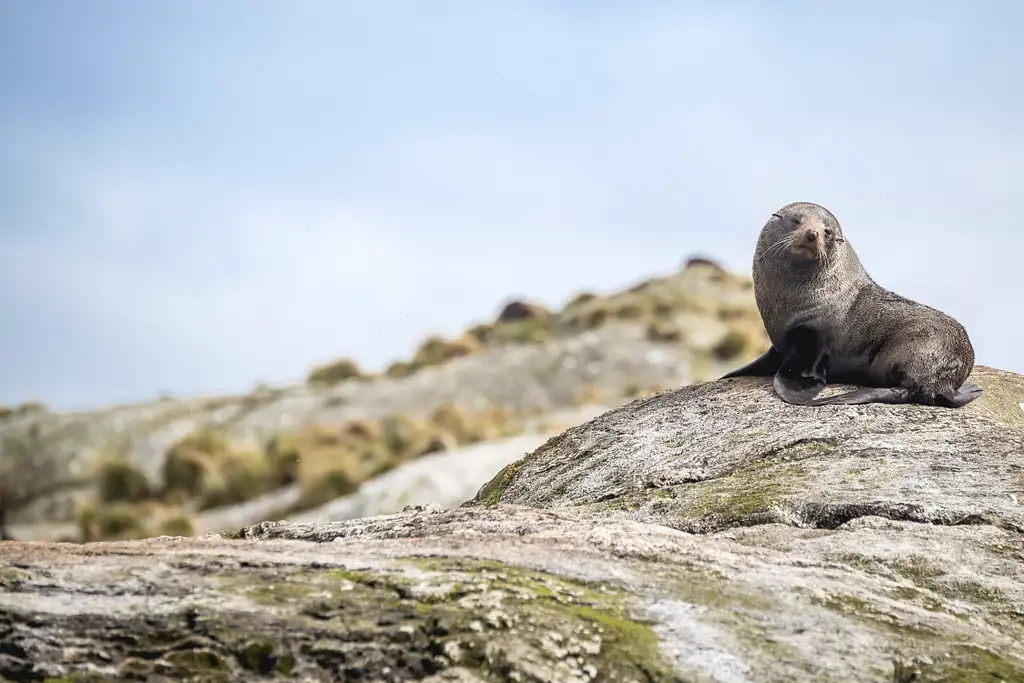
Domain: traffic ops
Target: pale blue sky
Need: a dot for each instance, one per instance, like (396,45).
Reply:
(197,196)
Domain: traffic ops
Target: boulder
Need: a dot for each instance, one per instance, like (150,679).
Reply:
(521,310)
(708,533)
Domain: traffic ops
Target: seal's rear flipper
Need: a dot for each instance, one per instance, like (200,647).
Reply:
(799,392)
(961,397)
(765,366)
(892,395)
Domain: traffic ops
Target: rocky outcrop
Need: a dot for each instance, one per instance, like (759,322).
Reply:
(709,533)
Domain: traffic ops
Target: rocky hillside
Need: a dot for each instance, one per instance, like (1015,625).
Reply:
(709,533)
(187,465)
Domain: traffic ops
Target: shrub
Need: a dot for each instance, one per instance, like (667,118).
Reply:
(663,331)
(580,299)
(436,350)
(588,315)
(282,461)
(526,331)
(452,420)
(332,373)
(733,344)
(630,309)
(324,488)
(205,468)
(118,521)
(177,525)
(403,436)
(399,370)
(121,481)
(481,333)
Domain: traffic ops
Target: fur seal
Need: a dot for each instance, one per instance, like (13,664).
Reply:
(828,321)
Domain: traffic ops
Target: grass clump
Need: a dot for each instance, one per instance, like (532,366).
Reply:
(738,341)
(591,314)
(663,331)
(519,322)
(325,487)
(121,481)
(177,525)
(404,437)
(464,427)
(436,350)
(399,370)
(482,333)
(332,373)
(115,522)
(204,467)
(461,426)
(329,462)
(579,300)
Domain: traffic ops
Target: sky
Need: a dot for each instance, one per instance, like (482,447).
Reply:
(196,197)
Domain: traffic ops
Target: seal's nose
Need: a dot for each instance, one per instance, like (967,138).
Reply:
(811,236)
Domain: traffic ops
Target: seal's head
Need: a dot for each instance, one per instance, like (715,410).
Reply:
(803,234)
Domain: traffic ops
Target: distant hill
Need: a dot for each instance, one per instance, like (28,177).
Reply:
(159,466)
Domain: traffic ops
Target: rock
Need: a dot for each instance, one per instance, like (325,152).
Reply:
(521,310)
(709,533)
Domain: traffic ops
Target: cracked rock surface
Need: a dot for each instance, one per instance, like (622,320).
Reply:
(710,533)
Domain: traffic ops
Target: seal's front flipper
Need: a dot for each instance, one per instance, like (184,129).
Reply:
(804,370)
(891,395)
(765,366)
(961,397)
(798,391)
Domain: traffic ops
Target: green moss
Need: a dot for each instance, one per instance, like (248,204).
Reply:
(350,575)
(971,664)
(931,582)
(750,494)
(730,501)
(859,608)
(960,664)
(275,593)
(263,658)
(491,492)
(496,621)
(951,658)
(12,576)
(428,612)
(195,661)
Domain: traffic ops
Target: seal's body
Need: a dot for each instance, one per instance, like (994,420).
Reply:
(830,322)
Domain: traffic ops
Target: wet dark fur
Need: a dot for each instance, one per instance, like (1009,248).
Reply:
(829,322)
